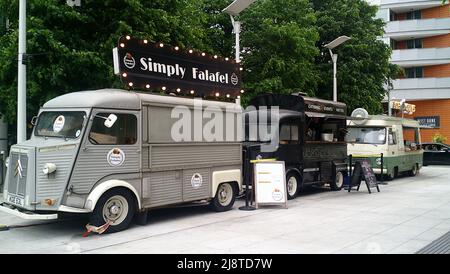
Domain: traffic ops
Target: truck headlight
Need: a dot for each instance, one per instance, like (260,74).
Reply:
(378,160)
(49,168)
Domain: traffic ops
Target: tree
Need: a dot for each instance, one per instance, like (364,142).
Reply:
(70,48)
(363,63)
(279,40)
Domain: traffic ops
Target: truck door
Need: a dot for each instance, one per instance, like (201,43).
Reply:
(111,147)
(289,149)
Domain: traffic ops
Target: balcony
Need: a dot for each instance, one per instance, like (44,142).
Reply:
(421,57)
(421,88)
(406,29)
(400,6)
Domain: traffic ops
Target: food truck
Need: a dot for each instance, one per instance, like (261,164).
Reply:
(311,139)
(397,138)
(112,153)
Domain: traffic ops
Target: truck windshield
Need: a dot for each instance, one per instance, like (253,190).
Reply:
(366,135)
(60,124)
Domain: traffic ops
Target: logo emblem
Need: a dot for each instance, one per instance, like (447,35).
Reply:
(18,170)
(129,61)
(196,180)
(234,79)
(115,157)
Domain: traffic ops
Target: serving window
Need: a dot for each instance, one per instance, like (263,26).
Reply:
(122,132)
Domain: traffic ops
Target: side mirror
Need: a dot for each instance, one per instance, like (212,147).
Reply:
(34,120)
(109,122)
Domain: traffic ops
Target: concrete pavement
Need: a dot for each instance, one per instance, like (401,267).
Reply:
(406,215)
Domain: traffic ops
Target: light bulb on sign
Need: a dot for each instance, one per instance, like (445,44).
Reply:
(161,45)
(239,97)
(217,94)
(177,48)
(191,51)
(242,91)
(128,37)
(122,45)
(178,89)
(228,95)
(124,74)
(192,91)
(130,84)
(203,54)
(226,59)
(215,56)
(164,88)
(145,41)
(147,86)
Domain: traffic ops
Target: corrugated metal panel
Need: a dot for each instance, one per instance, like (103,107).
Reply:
(145,158)
(16,184)
(92,165)
(439,246)
(52,186)
(191,193)
(176,155)
(162,188)
(12,180)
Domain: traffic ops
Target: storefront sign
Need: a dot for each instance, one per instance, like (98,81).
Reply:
(270,185)
(429,121)
(147,66)
(410,108)
(322,107)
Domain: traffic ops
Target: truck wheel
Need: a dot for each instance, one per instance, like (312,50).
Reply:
(224,199)
(338,182)
(413,172)
(394,173)
(292,185)
(116,206)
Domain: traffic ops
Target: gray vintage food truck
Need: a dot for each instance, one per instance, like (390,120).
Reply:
(111,153)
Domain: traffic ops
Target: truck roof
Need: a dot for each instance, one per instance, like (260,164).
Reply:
(123,99)
(383,120)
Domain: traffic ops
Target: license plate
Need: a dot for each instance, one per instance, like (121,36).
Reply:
(15,200)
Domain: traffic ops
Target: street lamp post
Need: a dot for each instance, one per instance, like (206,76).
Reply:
(22,75)
(330,46)
(233,10)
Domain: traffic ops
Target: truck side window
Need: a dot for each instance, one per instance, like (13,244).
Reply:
(392,137)
(122,132)
(289,133)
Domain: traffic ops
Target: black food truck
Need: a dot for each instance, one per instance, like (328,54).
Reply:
(311,139)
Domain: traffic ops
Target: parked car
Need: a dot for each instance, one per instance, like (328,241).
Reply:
(436,154)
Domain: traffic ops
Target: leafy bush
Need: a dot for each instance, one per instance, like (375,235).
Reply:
(439,138)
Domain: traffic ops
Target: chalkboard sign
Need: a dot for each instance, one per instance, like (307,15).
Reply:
(363,171)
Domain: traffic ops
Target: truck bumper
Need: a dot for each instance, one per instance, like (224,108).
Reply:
(27,215)
(376,170)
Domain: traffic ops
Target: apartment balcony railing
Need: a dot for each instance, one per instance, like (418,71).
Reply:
(421,57)
(405,5)
(405,29)
(421,88)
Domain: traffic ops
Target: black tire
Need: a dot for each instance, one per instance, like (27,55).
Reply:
(413,172)
(292,187)
(394,174)
(225,197)
(122,196)
(338,181)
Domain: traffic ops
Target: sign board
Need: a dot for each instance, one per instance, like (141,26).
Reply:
(325,107)
(149,66)
(363,171)
(429,121)
(270,183)
(410,108)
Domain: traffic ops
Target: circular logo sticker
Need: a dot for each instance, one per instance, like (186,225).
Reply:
(77,133)
(277,195)
(234,79)
(128,61)
(115,157)
(196,180)
(59,123)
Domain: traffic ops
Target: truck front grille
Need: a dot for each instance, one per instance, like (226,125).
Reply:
(18,174)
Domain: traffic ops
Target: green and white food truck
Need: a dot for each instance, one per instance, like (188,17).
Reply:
(397,138)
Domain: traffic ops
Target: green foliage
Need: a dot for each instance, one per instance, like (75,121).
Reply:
(439,138)
(71,47)
(279,47)
(363,63)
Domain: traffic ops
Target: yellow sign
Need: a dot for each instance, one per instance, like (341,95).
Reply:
(406,107)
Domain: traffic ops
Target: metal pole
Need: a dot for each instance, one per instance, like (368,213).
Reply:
(335,57)
(237,30)
(389,102)
(22,76)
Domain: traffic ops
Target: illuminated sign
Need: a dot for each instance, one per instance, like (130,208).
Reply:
(156,66)
(410,108)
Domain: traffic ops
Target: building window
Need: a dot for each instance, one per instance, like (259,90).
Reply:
(414,72)
(414,43)
(414,15)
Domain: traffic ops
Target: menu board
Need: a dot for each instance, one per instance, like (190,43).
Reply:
(363,171)
(270,183)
